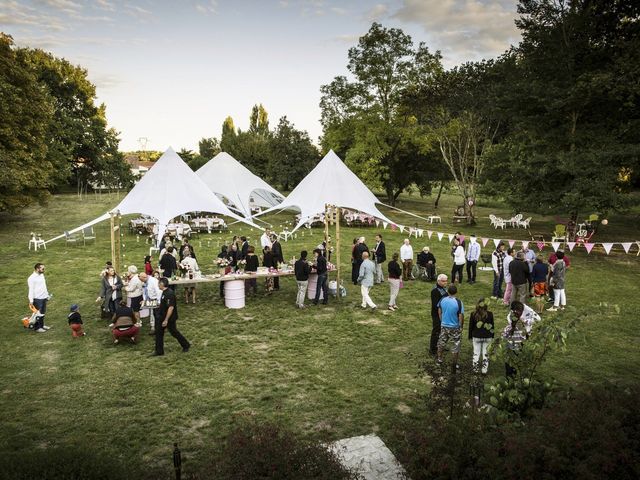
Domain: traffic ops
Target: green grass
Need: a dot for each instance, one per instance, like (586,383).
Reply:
(327,372)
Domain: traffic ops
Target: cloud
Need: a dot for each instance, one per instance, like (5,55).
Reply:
(464,29)
(64,5)
(347,38)
(23,15)
(137,11)
(338,10)
(105,81)
(207,8)
(46,42)
(376,13)
(105,5)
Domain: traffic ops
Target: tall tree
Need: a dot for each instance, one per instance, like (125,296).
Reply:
(208,147)
(25,115)
(228,136)
(365,117)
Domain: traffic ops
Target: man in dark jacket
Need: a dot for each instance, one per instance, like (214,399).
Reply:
(360,248)
(276,250)
(167,318)
(437,294)
(379,256)
(244,249)
(168,264)
(519,271)
(321,270)
(302,270)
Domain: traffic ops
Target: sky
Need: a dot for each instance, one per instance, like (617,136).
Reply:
(170,72)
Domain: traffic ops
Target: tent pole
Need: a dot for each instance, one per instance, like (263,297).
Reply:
(338,249)
(116,262)
(113,240)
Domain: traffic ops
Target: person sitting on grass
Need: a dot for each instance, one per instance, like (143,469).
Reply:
(75,322)
(124,324)
(451,314)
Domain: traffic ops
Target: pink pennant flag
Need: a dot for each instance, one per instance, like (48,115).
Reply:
(440,235)
(429,233)
(607,247)
(589,246)
(450,235)
(525,244)
(540,245)
(626,246)
(512,243)
(484,241)
(496,241)
(394,227)
(555,245)
(571,245)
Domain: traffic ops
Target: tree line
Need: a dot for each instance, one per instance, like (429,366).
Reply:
(52,133)
(549,126)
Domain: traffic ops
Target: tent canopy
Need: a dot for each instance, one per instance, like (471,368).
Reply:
(227,177)
(330,182)
(167,190)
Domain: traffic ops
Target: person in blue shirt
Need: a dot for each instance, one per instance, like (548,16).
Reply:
(451,313)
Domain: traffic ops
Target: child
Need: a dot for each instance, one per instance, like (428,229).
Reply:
(75,322)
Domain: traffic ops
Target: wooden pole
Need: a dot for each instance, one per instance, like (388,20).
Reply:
(113,240)
(338,249)
(116,262)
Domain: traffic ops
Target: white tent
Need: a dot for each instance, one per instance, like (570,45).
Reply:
(167,190)
(330,182)
(229,179)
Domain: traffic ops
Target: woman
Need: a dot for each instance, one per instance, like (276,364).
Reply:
(514,333)
(190,268)
(395,272)
(557,282)
(355,268)
(133,288)
(539,276)
(481,331)
(506,299)
(269,262)
(110,291)
(148,268)
(251,267)
(458,261)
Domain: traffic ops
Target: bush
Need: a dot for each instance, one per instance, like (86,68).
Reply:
(594,434)
(254,451)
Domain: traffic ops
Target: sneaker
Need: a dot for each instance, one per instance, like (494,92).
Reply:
(395,307)
(364,307)
(116,341)
(374,308)
(391,308)
(493,298)
(41,330)
(46,327)
(111,325)
(186,349)
(552,309)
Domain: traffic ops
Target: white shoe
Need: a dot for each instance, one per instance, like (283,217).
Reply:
(41,330)
(111,325)
(552,309)
(46,328)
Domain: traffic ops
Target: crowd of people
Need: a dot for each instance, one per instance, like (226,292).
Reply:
(524,275)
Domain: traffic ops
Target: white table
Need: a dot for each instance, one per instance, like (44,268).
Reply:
(37,242)
(434,218)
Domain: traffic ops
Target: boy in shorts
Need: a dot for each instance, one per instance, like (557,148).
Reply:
(451,313)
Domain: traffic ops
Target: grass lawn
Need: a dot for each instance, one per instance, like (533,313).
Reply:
(327,372)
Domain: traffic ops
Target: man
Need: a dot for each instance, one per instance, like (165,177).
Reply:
(525,313)
(302,270)
(38,296)
(168,264)
(427,261)
(276,250)
(437,293)
(151,295)
(497,258)
(530,260)
(168,316)
(473,255)
(451,314)
(406,255)
(519,271)
(321,270)
(380,256)
(366,280)
(186,246)
(359,249)
(265,239)
(244,249)
(508,258)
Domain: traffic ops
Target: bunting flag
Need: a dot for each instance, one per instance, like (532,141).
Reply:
(571,245)
(607,247)
(626,246)
(377,223)
(450,235)
(384,225)
(484,241)
(540,245)
(420,232)
(496,241)
(525,244)
(512,243)
(555,245)
(429,233)
(394,227)
(440,235)
(589,246)
(401,228)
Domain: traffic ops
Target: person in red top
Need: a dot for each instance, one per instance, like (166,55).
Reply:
(148,268)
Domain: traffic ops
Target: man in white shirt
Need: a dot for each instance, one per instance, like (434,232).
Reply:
(150,293)
(473,255)
(265,239)
(38,296)
(406,255)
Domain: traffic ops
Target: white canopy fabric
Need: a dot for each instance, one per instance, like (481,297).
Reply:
(167,190)
(227,177)
(101,218)
(330,182)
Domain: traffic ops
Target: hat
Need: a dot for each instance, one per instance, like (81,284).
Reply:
(74,308)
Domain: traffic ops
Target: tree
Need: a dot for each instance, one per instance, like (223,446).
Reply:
(292,155)
(228,134)
(366,118)
(571,91)
(259,121)
(25,114)
(208,147)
